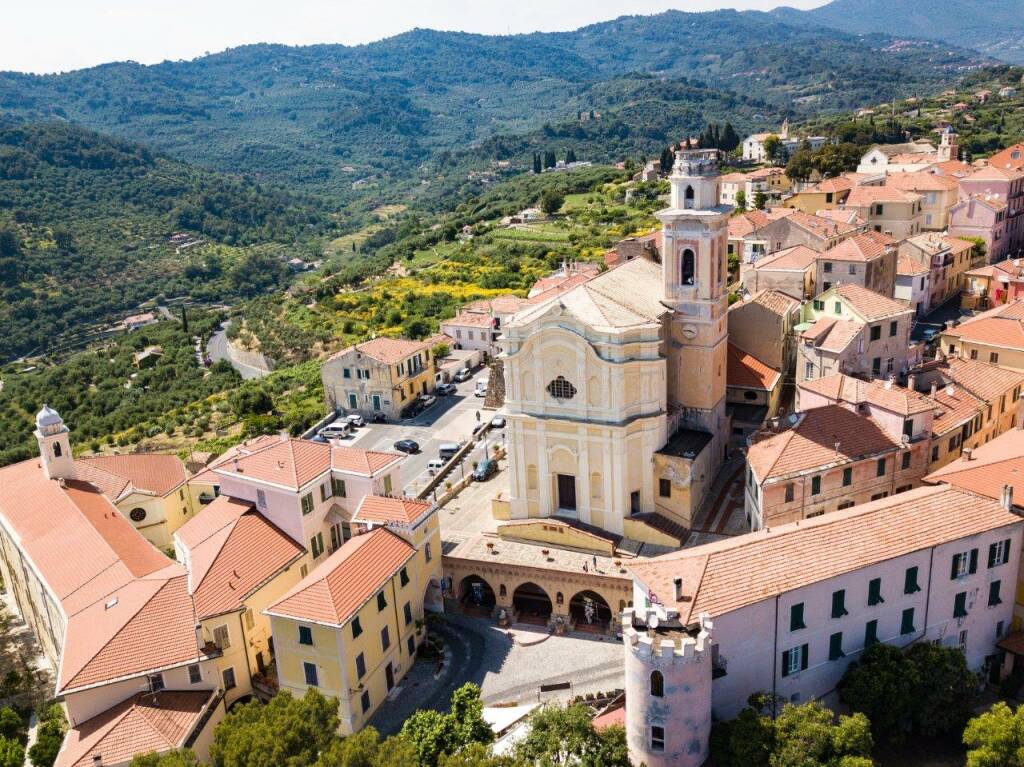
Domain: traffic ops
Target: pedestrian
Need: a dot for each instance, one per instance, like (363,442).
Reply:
(595,563)
(585,567)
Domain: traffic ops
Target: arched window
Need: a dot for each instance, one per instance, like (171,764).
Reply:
(657,684)
(56,450)
(688,197)
(688,266)
(559,599)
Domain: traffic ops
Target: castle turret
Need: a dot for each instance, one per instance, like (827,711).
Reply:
(668,690)
(54,442)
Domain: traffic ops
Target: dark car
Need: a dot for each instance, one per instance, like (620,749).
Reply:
(413,409)
(407,446)
(485,470)
(445,389)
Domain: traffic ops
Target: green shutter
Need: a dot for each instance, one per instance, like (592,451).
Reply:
(993,594)
(960,605)
(875,591)
(870,633)
(803,657)
(907,624)
(839,603)
(835,646)
(974,562)
(785,662)
(910,581)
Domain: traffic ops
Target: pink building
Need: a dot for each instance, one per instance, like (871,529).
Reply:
(785,611)
(992,207)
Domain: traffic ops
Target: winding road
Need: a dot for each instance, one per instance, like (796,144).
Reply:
(217,349)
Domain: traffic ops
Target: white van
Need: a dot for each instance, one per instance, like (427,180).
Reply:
(337,430)
(481,387)
(434,466)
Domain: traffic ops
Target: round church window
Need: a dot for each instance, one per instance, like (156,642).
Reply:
(137,514)
(561,389)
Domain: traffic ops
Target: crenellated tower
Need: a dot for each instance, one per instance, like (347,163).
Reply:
(668,689)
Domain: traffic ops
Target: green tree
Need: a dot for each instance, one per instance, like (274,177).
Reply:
(741,200)
(567,736)
(800,165)
(177,758)
(536,163)
(251,400)
(365,749)
(476,755)
(946,689)
(12,753)
(12,726)
(996,738)
(979,251)
(49,737)
(551,200)
(882,684)
(773,147)
(432,733)
(287,732)
(760,200)
(730,140)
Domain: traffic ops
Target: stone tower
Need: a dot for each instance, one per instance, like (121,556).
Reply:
(948,146)
(694,276)
(668,689)
(54,441)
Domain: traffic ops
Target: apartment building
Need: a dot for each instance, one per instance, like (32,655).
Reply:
(887,210)
(913,281)
(947,258)
(993,285)
(790,271)
(939,193)
(379,377)
(995,336)
(867,259)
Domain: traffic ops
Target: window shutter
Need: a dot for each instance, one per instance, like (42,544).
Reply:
(1006,550)
(960,605)
(785,662)
(956,566)
(992,555)
(974,562)
(803,657)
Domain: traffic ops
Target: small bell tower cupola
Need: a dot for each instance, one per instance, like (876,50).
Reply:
(949,148)
(54,441)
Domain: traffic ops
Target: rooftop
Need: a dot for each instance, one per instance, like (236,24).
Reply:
(388,351)
(832,335)
(1002,327)
(839,387)
(863,247)
(381,509)
(867,304)
(120,475)
(747,371)
(798,257)
(686,443)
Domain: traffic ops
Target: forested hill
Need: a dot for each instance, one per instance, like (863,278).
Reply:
(994,27)
(85,221)
(322,117)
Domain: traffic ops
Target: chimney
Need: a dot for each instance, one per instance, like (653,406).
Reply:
(966,452)
(935,388)
(889,382)
(283,435)
(950,390)
(912,382)
(1007,500)
(838,443)
(678,582)
(97,760)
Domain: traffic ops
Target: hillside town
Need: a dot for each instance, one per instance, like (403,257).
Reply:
(727,458)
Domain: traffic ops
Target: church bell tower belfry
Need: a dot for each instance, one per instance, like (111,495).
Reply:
(695,279)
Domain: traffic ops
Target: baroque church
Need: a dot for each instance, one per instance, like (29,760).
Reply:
(615,390)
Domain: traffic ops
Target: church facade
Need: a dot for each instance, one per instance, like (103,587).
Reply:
(615,391)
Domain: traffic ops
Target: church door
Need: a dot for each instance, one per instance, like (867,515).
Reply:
(567,492)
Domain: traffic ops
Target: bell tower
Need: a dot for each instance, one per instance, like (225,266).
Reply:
(948,145)
(54,441)
(694,277)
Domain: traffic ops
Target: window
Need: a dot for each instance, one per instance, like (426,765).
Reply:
(828,267)
(819,306)
(657,738)
(847,476)
(57,451)
(964,563)
(993,594)
(261,499)
(195,674)
(360,666)
(325,491)
(870,633)
(307,503)
(892,329)
(665,488)
(809,370)
(407,611)
(875,592)
(993,357)
(815,485)
(346,373)
(337,487)
(687,272)
(426,552)
(876,332)
(411,645)
(657,684)
(960,605)
(935,452)
(561,389)
(999,553)
(880,468)
(837,308)
(309,671)
(382,601)
(794,660)
(796,617)
(385,638)
(364,701)
(229,677)
(910,581)
(156,682)
(876,366)
(839,603)
(852,269)
(907,621)
(974,354)
(789,493)
(840,507)
(835,646)
(387,485)
(357,627)
(905,461)
(316,545)
(336,537)
(305,635)
(222,637)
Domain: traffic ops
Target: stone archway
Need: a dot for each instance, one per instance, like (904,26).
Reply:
(532,604)
(476,597)
(590,612)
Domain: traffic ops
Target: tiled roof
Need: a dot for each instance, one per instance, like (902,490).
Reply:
(335,590)
(992,465)
(909,267)
(388,351)
(563,287)
(835,184)
(470,319)
(353,460)
(848,217)
(154,473)
(232,551)
(504,304)
(745,223)
(798,257)
(140,724)
(1001,326)
(822,227)
(824,436)
(983,379)
(832,335)
(958,406)
(384,509)
(871,306)
(926,182)
(935,242)
(1005,159)
(720,577)
(888,396)
(775,301)
(866,195)
(992,202)
(747,371)
(863,247)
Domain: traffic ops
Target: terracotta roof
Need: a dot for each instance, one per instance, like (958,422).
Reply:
(840,216)
(383,509)
(335,590)
(866,195)
(798,257)
(958,406)
(774,301)
(232,551)
(835,184)
(994,203)
(354,460)
(747,371)
(982,379)
(936,242)
(871,306)
(471,319)
(140,724)
(504,304)
(745,223)
(154,473)
(926,182)
(832,335)
(992,465)
(1004,159)
(909,267)
(956,168)
(839,387)
(863,247)
(727,575)
(388,351)
(822,437)
(563,287)
(822,227)
(1001,326)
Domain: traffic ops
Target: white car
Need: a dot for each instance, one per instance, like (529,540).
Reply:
(481,387)
(463,375)
(355,420)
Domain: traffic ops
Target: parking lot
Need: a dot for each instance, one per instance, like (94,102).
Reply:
(450,419)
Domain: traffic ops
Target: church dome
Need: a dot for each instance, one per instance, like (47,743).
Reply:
(48,417)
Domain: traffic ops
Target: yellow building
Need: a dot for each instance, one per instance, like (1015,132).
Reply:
(381,376)
(148,488)
(239,563)
(350,628)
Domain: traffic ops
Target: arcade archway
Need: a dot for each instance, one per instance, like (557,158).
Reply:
(476,596)
(532,604)
(590,611)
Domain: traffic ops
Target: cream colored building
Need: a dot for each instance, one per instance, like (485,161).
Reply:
(381,376)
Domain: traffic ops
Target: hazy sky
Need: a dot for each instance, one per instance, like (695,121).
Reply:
(58,35)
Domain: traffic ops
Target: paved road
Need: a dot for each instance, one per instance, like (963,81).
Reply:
(217,349)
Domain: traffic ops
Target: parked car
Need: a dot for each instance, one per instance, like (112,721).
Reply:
(435,465)
(447,450)
(931,334)
(485,470)
(413,409)
(481,387)
(498,422)
(463,375)
(355,420)
(445,389)
(407,446)
(427,400)
(336,430)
